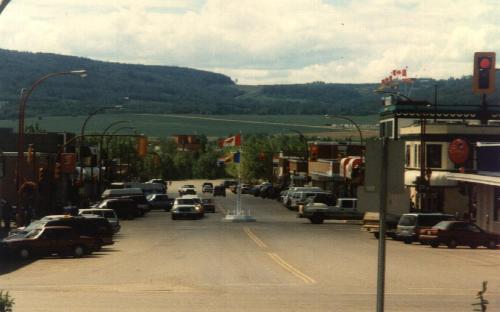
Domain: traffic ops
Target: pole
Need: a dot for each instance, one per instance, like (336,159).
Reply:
(382,228)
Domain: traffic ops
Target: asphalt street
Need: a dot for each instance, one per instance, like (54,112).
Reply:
(279,263)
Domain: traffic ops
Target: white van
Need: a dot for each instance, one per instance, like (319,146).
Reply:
(300,196)
(114,193)
(109,214)
(286,197)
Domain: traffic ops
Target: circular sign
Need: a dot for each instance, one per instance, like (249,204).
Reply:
(458,151)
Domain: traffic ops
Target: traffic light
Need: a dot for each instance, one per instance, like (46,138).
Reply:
(484,72)
(30,153)
(313,153)
(57,171)
(41,174)
(142,146)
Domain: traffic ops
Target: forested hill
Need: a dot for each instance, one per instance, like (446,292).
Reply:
(167,89)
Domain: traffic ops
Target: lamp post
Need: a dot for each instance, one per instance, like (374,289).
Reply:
(306,149)
(25,95)
(82,137)
(112,136)
(355,125)
(101,144)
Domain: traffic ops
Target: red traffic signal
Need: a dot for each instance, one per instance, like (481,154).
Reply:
(484,72)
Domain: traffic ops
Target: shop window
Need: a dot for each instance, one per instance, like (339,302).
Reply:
(416,156)
(408,155)
(2,165)
(496,205)
(433,155)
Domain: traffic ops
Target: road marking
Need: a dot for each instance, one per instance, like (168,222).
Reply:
(285,265)
(254,237)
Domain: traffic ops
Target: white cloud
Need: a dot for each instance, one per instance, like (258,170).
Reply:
(262,41)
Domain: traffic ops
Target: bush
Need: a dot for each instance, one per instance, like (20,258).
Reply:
(6,302)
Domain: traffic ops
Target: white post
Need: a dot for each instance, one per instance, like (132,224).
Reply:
(238,188)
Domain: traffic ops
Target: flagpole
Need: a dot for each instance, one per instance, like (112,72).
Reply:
(238,215)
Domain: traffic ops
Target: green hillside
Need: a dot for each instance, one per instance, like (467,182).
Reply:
(176,90)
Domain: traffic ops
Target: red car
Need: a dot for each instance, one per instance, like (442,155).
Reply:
(62,240)
(459,233)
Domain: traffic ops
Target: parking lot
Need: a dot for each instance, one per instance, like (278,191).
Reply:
(279,263)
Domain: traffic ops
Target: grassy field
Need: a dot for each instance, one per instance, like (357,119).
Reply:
(210,125)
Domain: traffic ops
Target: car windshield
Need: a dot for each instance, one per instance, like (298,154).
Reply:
(408,220)
(186,201)
(32,233)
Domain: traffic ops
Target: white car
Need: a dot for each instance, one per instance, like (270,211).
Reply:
(187,206)
(109,214)
(187,189)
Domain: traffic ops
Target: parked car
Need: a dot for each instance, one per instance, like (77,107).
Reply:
(62,240)
(97,227)
(109,214)
(411,224)
(371,221)
(459,233)
(207,187)
(141,202)
(219,190)
(344,209)
(187,189)
(186,208)
(286,196)
(298,197)
(117,193)
(160,201)
(228,183)
(208,204)
(245,188)
(320,198)
(125,208)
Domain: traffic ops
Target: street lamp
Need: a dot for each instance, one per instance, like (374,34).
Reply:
(112,136)
(25,95)
(303,139)
(101,143)
(355,125)
(82,136)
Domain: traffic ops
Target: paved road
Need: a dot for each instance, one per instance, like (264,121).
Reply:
(279,263)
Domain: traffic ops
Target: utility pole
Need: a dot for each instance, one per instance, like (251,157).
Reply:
(382,227)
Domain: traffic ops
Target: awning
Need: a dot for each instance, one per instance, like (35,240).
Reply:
(438,178)
(474,178)
(348,164)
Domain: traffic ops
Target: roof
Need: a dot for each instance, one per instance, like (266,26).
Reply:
(474,178)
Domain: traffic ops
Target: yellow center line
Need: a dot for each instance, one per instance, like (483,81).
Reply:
(285,265)
(257,240)
(276,258)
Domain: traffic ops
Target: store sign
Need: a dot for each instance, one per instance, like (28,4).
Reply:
(459,151)
(68,162)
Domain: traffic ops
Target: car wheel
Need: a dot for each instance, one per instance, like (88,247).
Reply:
(24,253)
(174,217)
(408,241)
(78,251)
(491,244)
(434,245)
(376,235)
(452,244)
(473,246)
(316,219)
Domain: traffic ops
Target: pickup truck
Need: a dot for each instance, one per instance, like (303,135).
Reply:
(344,209)
(371,222)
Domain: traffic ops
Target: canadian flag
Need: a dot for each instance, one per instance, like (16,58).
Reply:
(231,141)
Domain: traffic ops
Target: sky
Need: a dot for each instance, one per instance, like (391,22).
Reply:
(264,41)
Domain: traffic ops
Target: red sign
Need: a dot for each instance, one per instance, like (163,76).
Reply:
(458,151)
(68,162)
